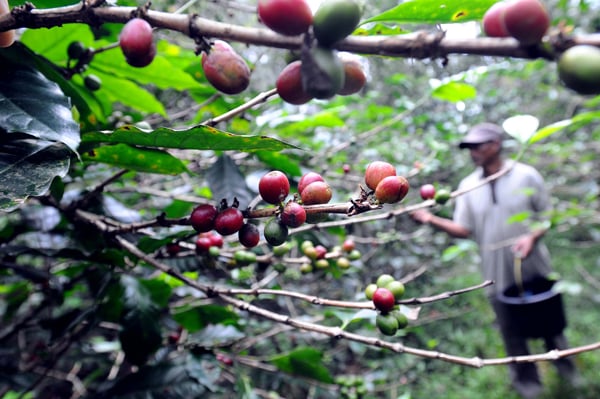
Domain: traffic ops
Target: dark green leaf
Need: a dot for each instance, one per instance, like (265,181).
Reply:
(139,159)
(159,291)
(195,318)
(306,362)
(226,181)
(434,11)
(27,167)
(196,138)
(216,335)
(32,104)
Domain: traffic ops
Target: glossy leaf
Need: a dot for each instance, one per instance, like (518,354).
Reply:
(32,104)
(27,167)
(195,318)
(305,362)
(454,92)
(434,11)
(195,138)
(139,159)
(227,182)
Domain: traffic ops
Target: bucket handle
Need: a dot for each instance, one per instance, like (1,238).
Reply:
(518,272)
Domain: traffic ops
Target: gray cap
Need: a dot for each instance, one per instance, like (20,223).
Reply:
(482,133)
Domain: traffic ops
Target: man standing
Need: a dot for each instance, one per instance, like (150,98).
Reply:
(484,214)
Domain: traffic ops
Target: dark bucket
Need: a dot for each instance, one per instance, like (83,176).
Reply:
(535,313)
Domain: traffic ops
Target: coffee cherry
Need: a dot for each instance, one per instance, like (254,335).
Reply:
(92,82)
(173,248)
(276,232)
(354,254)
(321,264)
(244,257)
(348,245)
(579,69)
(306,268)
(203,244)
(354,76)
(289,85)
(387,324)
(427,191)
(391,189)
(274,187)
(282,249)
(493,20)
(335,19)
(286,17)
(384,300)
(229,221)
(384,280)
(293,214)
(308,178)
(317,192)
(400,318)
(225,69)
(442,196)
(75,50)
(216,240)
(137,43)
(343,263)
(376,171)
(370,290)
(320,251)
(249,236)
(526,20)
(203,217)
(396,288)
(346,168)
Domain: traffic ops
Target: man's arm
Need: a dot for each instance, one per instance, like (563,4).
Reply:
(447,225)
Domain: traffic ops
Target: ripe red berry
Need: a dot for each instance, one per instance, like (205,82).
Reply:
(225,69)
(203,217)
(229,221)
(317,192)
(289,85)
(493,20)
(293,214)
(137,43)
(377,171)
(391,189)
(216,240)
(249,236)
(274,187)
(427,191)
(308,178)
(384,300)
(287,17)
(526,20)
(203,244)
(348,245)
(320,252)
(354,76)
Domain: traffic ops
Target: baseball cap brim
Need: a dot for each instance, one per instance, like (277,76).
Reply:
(482,133)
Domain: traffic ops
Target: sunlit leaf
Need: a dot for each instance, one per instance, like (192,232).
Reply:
(434,11)
(306,362)
(138,159)
(521,127)
(454,92)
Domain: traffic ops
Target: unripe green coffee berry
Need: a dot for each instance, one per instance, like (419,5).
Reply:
(387,324)
(384,280)
(321,264)
(275,232)
(370,290)
(397,288)
(92,82)
(400,318)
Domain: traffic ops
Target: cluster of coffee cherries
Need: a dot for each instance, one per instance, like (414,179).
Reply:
(224,220)
(387,186)
(428,191)
(274,188)
(320,257)
(384,293)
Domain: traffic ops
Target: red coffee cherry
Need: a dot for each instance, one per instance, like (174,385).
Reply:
(289,85)
(203,244)
(225,69)
(526,20)
(293,214)
(377,171)
(317,192)
(493,20)
(274,187)
(308,178)
(348,245)
(355,78)
(286,17)
(320,252)
(249,236)
(137,43)
(203,218)
(427,191)
(384,300)
(391,189)
(229,221)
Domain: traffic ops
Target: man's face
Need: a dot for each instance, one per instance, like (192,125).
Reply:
(482,153)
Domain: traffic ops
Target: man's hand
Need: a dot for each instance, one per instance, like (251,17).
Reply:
(422,216)
(524,245)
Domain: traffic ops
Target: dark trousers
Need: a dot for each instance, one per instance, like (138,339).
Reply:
(524,376)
